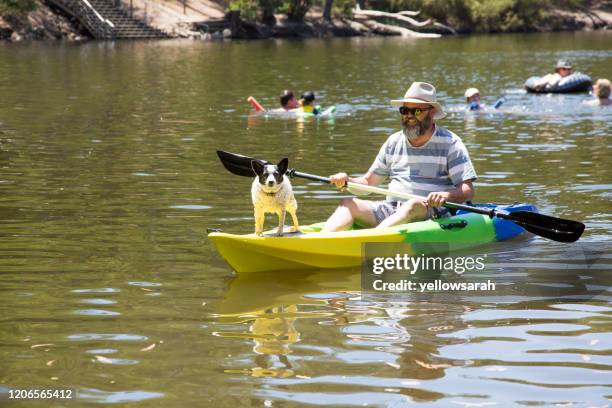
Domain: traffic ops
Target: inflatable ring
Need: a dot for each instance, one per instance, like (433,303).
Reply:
(577,82)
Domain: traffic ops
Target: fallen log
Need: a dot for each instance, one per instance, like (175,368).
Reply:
(409,13)
(445,27)
(396,30)
(395,16)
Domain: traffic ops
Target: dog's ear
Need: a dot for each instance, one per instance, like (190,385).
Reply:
(283,165)
(257,166)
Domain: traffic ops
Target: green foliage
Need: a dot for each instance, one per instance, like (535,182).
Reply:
(483,15)
(17,6)
(342,8)
(295,9)
(256,10)
(247,8)
(463,15)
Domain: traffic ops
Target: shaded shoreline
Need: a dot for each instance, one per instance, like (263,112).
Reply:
(50,23)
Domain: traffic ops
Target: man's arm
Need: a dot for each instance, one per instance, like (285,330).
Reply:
(543,81)
(548,80)
(462,192)
(370,179)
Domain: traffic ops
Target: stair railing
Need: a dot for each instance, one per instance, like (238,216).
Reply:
(102,19)
(97,25)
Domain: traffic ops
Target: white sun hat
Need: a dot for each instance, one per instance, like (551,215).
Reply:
(471,92)
(421,92)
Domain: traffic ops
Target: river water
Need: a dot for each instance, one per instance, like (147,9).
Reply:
(109,179)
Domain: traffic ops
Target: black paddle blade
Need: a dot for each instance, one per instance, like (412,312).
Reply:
(237,163)
(557,229)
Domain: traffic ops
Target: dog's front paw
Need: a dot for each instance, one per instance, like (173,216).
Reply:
(279,234)
(295,229)
(259,233)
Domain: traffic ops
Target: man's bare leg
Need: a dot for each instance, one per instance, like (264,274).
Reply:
(349,211)
(410,211)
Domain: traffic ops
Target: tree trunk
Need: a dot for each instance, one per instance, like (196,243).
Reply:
(298,9)
(267,12)
(327,11)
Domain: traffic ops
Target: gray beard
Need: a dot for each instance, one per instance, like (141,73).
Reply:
(415,131)
(412,132)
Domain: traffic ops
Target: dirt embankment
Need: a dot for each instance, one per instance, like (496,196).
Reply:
(44,23)
(205,19)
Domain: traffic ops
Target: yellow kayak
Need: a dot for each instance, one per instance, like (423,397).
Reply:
(312,249)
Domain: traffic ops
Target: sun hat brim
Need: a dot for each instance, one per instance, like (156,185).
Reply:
(440,114)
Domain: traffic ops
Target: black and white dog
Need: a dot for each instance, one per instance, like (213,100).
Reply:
(272,193)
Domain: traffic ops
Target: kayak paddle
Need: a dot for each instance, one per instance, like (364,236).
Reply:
(556,229)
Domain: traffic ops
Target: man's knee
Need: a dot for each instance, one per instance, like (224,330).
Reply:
(346,201)
(413,209)
(360,211)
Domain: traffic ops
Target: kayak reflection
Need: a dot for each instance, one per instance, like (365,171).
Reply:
(271,303)
(277,310)
(249,294)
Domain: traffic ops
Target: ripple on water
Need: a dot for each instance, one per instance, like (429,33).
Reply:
(106,336)
(99,301)
(102,351)
(96,312)
(96,290)
(116,397)
(144,284)
(114,361)
(191,207)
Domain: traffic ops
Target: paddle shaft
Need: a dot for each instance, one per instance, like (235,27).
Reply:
(382,191)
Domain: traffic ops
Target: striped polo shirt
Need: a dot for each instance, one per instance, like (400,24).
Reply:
(439,165)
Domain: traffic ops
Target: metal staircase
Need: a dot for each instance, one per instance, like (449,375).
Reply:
(105,21)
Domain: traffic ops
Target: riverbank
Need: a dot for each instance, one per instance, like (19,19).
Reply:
(206,19)
(43,23)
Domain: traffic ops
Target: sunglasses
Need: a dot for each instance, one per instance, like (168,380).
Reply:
(404,110)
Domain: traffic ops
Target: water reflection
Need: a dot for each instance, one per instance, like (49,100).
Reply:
(421,346)
(109,180)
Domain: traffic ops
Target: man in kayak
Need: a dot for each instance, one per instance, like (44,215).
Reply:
(601,93)
(562,69)
(423,159)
